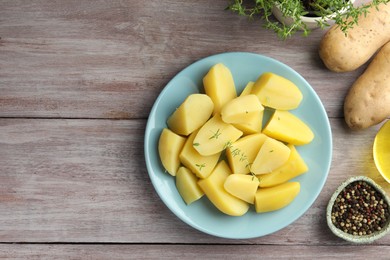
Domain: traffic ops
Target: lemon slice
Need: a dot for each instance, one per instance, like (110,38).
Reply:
(382,151)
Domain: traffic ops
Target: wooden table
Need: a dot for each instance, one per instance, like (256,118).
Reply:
(77,82)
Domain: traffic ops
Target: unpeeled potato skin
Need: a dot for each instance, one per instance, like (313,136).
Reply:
(368,101)
(341,53)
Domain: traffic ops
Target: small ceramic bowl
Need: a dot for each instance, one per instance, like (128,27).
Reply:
(349,237)
(311,22)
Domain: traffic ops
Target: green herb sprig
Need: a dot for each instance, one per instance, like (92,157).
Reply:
(200,166)
(243,158)
(215,134)
(344,13)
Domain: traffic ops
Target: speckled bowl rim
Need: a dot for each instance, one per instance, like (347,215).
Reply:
(348,237)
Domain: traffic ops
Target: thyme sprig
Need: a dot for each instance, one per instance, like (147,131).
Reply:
(200,166)
(243,158)
(343,12)
(215,134)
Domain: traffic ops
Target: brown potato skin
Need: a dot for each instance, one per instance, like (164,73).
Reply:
(368,101)
(342,53)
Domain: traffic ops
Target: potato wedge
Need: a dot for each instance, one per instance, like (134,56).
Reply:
(287,127)
(201,165)
(169,148)
(277,197)
(242,186)
(248,88)
(277,92)
(219,86)
(213,187)
(214,136)
(188,117)
(241,109)
(294,167)
(242,153)
(271,156)
(187,185)
(253,125)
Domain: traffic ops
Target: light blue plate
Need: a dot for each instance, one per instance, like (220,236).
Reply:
(202,215)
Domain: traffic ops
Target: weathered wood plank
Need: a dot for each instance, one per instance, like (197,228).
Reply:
(110,59)
(168,251)
(85,181)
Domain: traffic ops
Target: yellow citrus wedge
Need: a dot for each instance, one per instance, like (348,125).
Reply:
(382,151)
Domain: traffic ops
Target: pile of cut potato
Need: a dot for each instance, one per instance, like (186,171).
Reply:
(215,143)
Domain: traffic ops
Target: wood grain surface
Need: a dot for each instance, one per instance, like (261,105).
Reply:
(77,82)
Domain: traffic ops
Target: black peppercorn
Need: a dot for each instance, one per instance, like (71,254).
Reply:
(360,209)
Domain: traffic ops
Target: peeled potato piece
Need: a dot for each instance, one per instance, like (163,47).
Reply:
(169,148)
(248,88)
(241,109)
(214,190)
(188,117)
(287,127)
(201,165)
(187,185)
(294,167)
(277,92)
(219,86)
(214,136)
(242,153)
(253,125)
(277,197)
(242,186)
(271,156)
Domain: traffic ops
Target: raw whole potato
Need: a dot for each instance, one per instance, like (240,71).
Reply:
(368,101)
(341,53)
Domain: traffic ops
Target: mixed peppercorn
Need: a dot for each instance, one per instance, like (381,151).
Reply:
(360,209)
